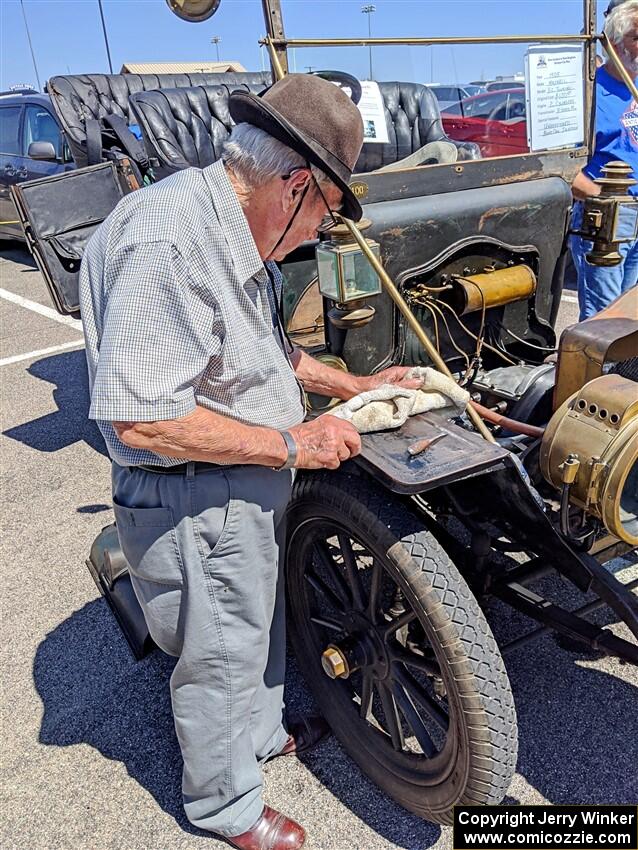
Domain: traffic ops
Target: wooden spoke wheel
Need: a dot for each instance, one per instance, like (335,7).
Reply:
(396,649)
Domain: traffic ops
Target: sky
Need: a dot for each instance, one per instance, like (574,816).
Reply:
(67,35)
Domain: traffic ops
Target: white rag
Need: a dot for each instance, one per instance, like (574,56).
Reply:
(389,405)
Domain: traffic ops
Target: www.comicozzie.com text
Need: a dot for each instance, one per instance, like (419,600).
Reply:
(545,818)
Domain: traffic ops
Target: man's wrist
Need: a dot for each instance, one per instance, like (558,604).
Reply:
(360,383)
(291,450)
(349,386)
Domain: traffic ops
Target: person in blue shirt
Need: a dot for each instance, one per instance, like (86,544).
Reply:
(616,139)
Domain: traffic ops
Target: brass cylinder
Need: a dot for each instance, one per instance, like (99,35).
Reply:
(492,289)
(598,427)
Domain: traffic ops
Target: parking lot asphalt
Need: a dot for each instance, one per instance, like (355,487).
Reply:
(89,755)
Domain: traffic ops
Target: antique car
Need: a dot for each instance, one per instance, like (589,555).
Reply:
(392,559)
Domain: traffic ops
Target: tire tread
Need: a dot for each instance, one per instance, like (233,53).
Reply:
(473,657)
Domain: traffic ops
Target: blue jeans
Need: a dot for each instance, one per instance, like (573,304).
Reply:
(204,551)
(598,286)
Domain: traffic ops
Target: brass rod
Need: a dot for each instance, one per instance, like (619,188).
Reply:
(274,21)
(589,72)
(423,338)
(611,52)
(274,59)
(362,42)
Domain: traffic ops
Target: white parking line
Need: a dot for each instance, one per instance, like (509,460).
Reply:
(30,355)
(49,312)
(570,298)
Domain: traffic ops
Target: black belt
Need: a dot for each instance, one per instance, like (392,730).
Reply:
(182,468)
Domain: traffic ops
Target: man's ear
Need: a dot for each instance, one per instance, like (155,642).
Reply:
(295,185)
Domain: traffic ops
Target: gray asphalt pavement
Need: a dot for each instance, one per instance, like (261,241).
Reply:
(89,756)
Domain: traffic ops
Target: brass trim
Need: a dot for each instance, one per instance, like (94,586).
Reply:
(274,59)
(373,42)
(359,189)
(591,444)
(614,485)
(334,663)
(495,288)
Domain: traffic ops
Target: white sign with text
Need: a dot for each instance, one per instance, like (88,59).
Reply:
(372,112)
(554,92)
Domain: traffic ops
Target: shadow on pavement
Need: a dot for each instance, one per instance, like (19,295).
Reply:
(69,423)
(93,692)
(574,723)
(17,252)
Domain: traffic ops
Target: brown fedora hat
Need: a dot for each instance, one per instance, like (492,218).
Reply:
(313,117)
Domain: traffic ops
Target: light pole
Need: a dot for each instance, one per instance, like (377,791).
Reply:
(368,10)
(215,40)
(26,26)
(106,38)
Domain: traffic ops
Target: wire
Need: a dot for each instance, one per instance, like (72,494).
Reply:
(449,333)
(482,326)
(526,342)
(436,324)
(445,288)
(499,347)
(473,335)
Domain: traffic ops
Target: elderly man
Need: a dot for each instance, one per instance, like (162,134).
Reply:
(616,138)
(199,398)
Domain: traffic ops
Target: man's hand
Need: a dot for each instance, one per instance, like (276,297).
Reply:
(584,187)
(325,442)
(394,375)
(319,378)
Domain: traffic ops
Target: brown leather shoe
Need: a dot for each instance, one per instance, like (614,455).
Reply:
(273,831)
(305,734)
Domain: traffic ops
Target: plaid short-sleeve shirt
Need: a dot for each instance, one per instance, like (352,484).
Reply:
(179,310)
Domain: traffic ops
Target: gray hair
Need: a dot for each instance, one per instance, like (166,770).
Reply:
(255,157)
(621,20)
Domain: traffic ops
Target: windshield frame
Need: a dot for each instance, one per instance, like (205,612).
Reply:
(277,44)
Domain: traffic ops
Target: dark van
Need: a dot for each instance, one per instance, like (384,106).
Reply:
(31,145)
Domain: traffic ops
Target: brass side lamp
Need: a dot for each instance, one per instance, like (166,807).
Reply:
(601,215)
(347,278)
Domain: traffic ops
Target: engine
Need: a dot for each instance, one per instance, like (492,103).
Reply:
(581,398)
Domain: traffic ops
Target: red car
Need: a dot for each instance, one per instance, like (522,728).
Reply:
(494,120)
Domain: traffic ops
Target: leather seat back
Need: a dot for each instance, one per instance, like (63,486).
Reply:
(77,98)
(413,119)
(187,126)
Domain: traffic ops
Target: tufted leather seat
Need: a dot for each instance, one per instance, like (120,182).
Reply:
(413,120)
(188,126)
(77,98)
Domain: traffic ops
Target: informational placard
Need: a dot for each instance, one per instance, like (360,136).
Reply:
(554,91)
(372,112)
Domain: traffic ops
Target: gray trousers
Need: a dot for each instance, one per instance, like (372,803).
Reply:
(204,551)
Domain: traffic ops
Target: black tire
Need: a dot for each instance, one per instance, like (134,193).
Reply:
(472,760)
